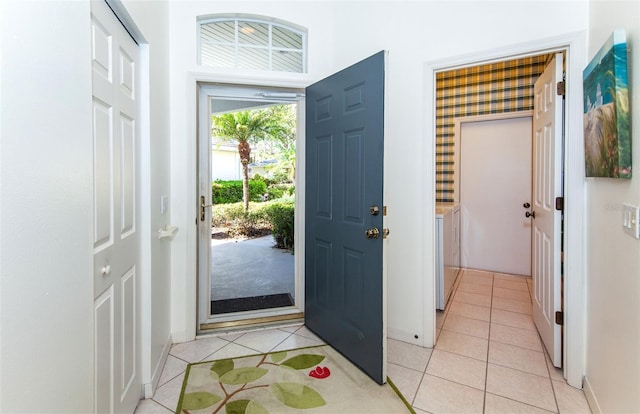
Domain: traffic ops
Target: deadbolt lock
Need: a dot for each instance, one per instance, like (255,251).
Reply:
(374,210)
(372,233)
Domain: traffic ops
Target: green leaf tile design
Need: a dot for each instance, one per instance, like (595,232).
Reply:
(237,407)
(240,376)
(244,407)
(297,395)
(278,356)
(221,367)
(199,400)
(303,361)
(281,382)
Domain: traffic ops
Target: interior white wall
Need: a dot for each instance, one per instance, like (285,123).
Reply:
(152,18)
(612,257)
(341,33)
(46,208)
(46,204)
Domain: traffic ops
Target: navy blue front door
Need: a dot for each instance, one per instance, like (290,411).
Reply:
(344,171)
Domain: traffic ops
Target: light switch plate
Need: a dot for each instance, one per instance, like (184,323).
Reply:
(631,220)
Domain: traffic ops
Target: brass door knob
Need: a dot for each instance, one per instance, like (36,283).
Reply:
(372,233)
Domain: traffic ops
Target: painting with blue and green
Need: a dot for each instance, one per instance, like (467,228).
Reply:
(607,137)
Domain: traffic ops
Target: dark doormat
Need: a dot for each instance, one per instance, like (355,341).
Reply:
(279,300)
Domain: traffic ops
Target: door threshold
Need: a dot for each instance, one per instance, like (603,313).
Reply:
(257,322)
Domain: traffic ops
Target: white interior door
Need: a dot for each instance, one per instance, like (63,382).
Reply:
(495,182)
(547,186)
(115,81)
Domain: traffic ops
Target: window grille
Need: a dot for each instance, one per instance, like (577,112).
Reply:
(245,43)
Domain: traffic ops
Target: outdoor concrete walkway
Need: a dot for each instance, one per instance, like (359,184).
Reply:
(250,268)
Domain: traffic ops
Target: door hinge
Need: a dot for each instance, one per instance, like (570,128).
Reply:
(560,203)
(560,318)
(560,88)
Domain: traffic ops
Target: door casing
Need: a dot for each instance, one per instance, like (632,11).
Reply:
(205,91)
(573,238)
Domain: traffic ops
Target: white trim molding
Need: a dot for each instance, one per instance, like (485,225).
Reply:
(184,275)
(574,215)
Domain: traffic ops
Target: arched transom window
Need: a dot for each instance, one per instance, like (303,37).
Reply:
(251,43)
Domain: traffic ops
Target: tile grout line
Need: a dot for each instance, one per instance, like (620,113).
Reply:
(444,319)
(544,353)
(521,402)
(290,335)
(486,370)
(162,405)
(182,372)
(186,362)
(424,373)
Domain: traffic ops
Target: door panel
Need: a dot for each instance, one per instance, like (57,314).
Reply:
(102,161)
(103,346)
(115,135)
(495,181)
(547,185)
(344,172)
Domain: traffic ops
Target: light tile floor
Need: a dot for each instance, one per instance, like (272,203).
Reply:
(488,359)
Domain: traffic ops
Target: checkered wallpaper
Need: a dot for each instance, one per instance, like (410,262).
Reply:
(480,90)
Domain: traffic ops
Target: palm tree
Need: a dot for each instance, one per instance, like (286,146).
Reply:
(284,141)
(245,127)
(281,142)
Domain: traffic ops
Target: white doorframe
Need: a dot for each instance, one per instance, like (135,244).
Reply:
(574,277)
(186,298)
(219,90)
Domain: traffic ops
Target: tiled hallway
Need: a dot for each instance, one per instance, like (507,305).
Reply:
(489,357)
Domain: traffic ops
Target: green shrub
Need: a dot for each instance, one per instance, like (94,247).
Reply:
(276,191)
(230,191)
(240,223)
(281,177)
(276,217)
(281,216)
(268,181)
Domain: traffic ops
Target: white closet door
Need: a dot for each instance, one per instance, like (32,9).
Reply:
(115,83)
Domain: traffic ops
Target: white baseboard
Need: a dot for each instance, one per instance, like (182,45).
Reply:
(591,397)
(150,388)
(403,336)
